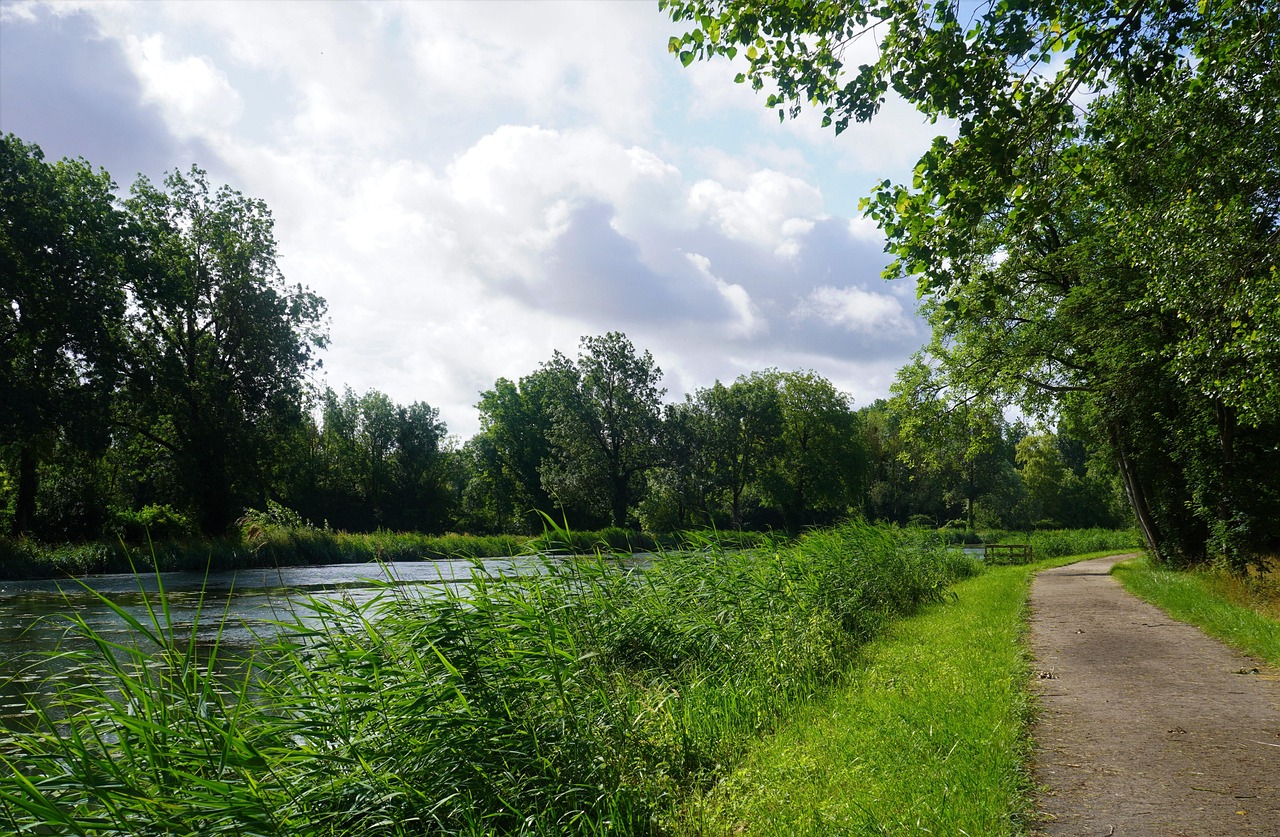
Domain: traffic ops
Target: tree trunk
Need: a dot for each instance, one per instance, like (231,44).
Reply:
(619,501)
(24,513)
(1134,490)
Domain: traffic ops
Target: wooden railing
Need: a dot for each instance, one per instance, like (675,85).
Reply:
(1007,553)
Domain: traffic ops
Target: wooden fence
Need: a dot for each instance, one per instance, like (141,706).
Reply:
(1007,553)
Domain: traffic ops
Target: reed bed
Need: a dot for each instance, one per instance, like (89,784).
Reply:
(586,699)
(272,545)
(1058,543)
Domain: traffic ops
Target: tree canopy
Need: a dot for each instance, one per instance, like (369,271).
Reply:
(156,373)
(1098,240)
(63,253)
(219,343)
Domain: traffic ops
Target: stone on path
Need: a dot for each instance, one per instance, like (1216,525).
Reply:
(1146,726)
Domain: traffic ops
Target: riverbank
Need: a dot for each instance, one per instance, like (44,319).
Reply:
(584,699)
(259,546)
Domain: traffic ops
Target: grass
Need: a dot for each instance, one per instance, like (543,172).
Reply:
(271,545)
(1058,543)
(1243,611)
(927,736)
(587,699)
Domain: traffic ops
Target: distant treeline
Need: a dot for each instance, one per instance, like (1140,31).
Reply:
(155,366)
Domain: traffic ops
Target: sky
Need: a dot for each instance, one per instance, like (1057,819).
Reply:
(475,185)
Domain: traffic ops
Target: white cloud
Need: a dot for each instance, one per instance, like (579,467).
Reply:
(769,212)
(472,186)
(852,309)
(747,317)
(195,95)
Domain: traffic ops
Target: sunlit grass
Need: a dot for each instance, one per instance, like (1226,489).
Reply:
(1243,611)
(928,736)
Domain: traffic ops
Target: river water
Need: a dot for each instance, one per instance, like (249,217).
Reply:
(34,624)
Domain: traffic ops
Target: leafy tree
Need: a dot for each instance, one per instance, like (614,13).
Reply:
(63,246)
(605,429)
(1046,476)
(219,344)
(680,492)
(514,443)
(820,466)
(960,443)
(896,491)
(1114,261)
(743,435)
(379,465)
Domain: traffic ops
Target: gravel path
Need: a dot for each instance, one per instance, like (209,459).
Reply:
(1147,726)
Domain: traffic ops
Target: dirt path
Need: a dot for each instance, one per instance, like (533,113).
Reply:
(1147,726)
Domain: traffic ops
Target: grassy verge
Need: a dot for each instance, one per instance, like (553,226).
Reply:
(1240,611)
(588,699)
(928,736)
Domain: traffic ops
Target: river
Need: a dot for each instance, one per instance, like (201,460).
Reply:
(34,624)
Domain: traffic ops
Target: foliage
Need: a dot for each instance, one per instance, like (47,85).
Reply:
(605,428)
(1057,543)
(63,249)
(375,464)
(1111,256)
(583,698)
(927,735)
(219,344)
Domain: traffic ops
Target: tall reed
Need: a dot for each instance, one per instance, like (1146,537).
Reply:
(588,698)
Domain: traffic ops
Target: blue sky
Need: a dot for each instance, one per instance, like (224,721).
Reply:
(472,186)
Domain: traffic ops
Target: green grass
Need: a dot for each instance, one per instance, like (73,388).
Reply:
(271,545)
(1201,598)
(588,699)
(1059,543)
(928,735)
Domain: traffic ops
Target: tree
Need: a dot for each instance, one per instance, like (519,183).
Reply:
(383,465)
(514,442)
(1115,261)
(820,466)
(219,343)
(605,430)
(959,442)
(1009,75)
(743,434)
(63,245)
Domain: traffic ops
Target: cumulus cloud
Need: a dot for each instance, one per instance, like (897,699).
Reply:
(195,94)
(852,309)
(771,210)
(472,187)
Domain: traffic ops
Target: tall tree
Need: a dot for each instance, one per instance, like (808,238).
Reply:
(819,469)
(744,435)
(960,443)
(515,441)
(63,245)
(220,344)
(606,428)
(1115,259)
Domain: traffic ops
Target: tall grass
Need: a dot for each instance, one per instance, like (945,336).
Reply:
(1242,610)
(587,699)
(928,735)
(272,545)
(1057,543)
